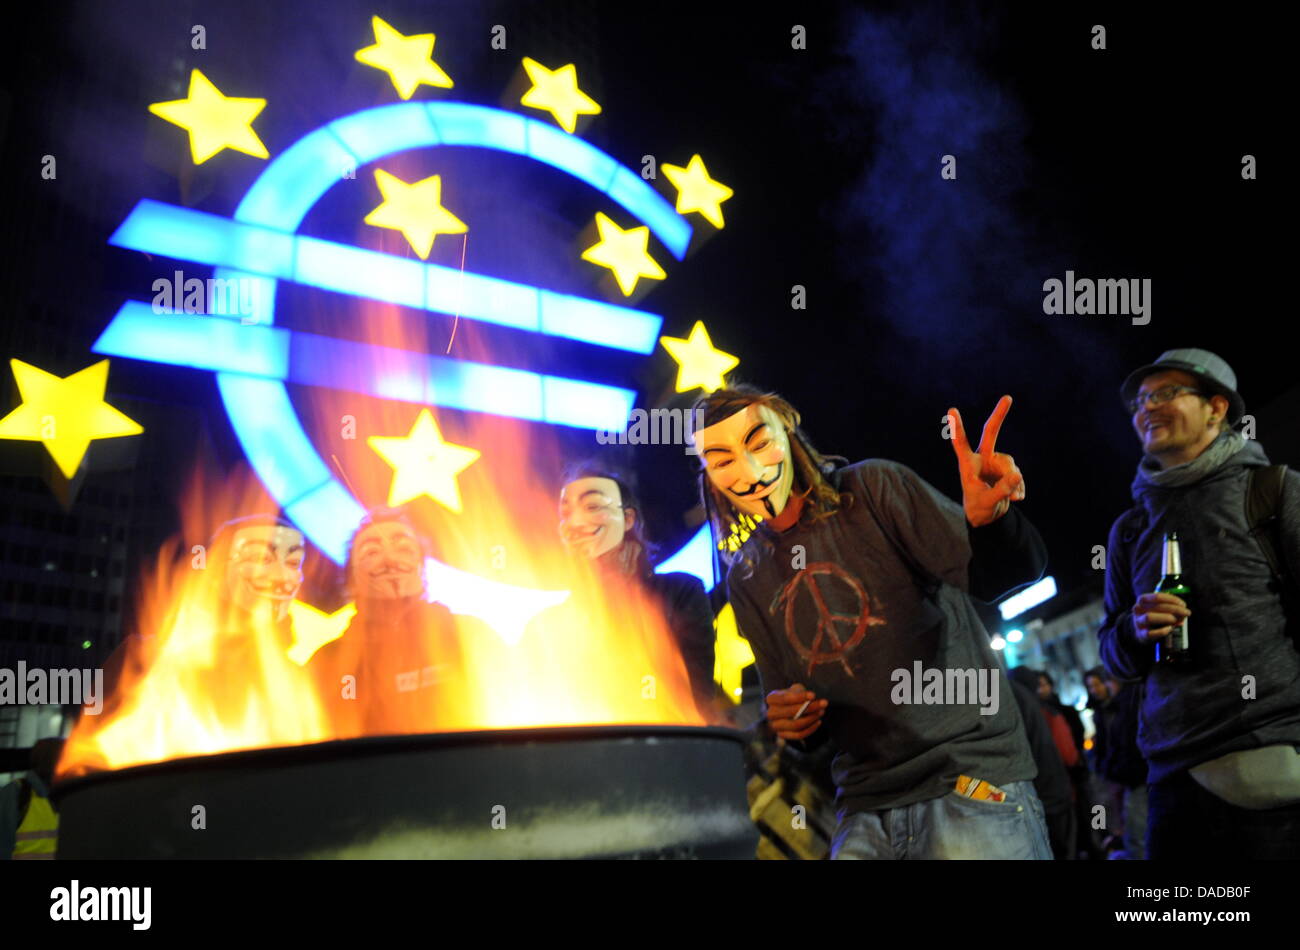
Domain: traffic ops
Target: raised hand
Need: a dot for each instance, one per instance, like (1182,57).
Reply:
(990,481)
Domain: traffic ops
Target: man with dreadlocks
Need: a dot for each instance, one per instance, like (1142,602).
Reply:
(602,522)
(853,585)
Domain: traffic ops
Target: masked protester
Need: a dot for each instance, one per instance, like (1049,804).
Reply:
(261,558)
(600,520)
(1219,727)
(256,569)
(383,675)
(853,578)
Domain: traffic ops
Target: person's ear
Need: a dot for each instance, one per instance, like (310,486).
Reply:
(629,518)
(1219,409)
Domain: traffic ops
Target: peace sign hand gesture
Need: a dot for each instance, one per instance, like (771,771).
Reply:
(990,481)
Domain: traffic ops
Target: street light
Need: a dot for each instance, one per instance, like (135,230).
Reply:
(1017,604)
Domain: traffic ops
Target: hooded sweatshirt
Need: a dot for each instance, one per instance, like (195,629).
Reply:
(855,605)
(1241,688)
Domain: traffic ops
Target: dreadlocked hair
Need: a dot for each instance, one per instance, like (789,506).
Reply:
(732,528)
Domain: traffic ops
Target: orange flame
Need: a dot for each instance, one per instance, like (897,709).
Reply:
(191,684)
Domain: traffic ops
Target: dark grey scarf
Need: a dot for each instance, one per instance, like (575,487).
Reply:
(1228,444)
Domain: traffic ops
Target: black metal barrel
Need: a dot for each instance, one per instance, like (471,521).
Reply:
(582,792)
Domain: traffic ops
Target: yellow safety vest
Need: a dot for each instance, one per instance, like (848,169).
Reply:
(39,833)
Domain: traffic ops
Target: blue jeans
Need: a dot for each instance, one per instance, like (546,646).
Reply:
(949,827)
(1135,823)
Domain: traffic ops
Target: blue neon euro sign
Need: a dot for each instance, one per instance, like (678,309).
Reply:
(260,245)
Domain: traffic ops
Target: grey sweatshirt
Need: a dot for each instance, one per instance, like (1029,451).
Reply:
(1237,628)
(842,603)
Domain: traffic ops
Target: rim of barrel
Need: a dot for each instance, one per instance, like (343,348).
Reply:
(375,745)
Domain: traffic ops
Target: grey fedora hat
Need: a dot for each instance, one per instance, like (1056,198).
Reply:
(1210,370)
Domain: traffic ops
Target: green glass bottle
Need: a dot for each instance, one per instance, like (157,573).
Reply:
(1175,647)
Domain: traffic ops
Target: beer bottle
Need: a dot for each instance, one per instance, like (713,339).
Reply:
(1173,648)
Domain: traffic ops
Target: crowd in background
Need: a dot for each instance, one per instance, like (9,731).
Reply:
(1093,789)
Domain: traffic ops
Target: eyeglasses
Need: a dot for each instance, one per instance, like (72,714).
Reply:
(1159,397)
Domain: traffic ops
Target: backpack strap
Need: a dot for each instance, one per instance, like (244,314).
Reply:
(1263,507)
(1263,502)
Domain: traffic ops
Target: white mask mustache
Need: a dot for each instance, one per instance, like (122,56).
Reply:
(760,485)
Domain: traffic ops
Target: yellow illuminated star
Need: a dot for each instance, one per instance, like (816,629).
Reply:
(214,121)
(623,252)
(423,464)
(696,191)
(408,60)
(64,413)
(731,652)
(557,92)
(698,363)
(313,628)
(415,209)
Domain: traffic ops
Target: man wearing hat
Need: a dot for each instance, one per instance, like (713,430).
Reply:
(1220,731)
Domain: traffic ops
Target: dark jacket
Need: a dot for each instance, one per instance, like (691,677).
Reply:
(1055,723)
(1237,629)
(845,603)
(677,600)
(1053,783)
(690,618)
(1115,749)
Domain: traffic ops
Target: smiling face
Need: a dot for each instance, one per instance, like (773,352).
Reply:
(593,520)
(747,457)
(387,562)
(265,568)
(1179,430)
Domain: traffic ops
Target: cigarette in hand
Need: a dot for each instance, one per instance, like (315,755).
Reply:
(802,708)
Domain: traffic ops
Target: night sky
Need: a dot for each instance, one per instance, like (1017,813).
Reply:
(921,292)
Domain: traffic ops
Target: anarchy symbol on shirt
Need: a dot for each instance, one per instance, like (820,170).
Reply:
(827,646)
